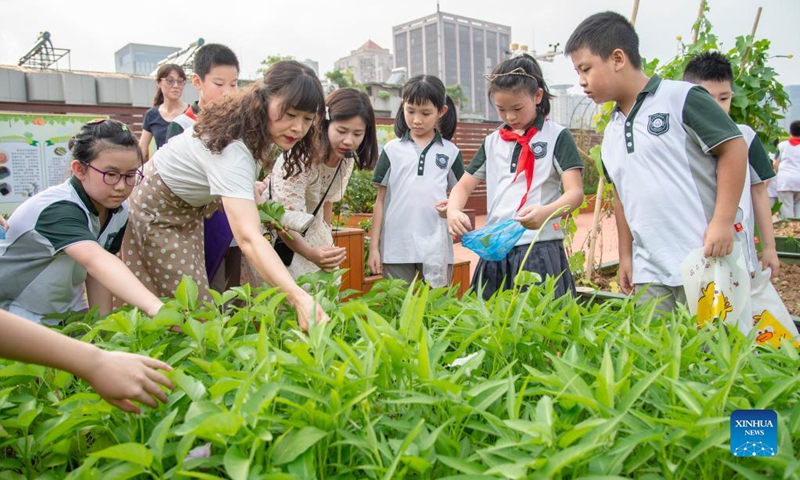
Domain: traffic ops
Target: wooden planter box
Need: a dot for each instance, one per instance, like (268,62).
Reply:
(352,220)
(353,240)
(461,277)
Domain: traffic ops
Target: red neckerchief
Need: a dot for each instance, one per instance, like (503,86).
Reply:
(190,113)
(526,159)
(794,141)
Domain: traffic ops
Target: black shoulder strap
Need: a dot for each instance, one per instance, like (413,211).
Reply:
(322,200)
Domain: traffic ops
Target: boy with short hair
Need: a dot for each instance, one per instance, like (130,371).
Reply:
(788,178)
(713,71)
(216,75)
(676,160)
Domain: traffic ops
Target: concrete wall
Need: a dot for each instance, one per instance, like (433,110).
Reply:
(24,85)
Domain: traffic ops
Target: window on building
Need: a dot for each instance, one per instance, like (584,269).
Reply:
(432,50)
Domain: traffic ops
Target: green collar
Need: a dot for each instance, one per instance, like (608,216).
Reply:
(652,85)
(436,136)
(78,186)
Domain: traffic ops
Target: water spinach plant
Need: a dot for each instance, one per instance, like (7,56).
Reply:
(408,383)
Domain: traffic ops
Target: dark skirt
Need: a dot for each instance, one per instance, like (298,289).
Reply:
(547,259)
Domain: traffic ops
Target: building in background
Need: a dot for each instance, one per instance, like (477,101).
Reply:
(793,112)
(459,50)
(570,110)
(370,63)
(312,64)
(139,59)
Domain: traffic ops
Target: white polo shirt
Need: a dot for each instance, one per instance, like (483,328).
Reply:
(659,159)
(415,179)
(788,178)
(554,152)
(759,170)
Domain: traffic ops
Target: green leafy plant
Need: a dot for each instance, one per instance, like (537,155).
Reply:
(408,383)
(360,194)
(272,212)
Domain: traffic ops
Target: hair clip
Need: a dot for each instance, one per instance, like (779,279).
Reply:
(491,77)
(124,127)
(327,113)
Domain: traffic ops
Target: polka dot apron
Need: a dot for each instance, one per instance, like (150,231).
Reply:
(164,240)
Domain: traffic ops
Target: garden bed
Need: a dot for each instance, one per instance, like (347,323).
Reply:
(787,228)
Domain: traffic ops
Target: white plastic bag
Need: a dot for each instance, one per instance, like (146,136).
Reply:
(717,287)
(769,316)
(434,249)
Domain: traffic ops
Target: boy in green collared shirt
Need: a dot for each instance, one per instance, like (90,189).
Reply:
(676,160)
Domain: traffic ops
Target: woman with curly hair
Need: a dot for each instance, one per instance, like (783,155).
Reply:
(215,164)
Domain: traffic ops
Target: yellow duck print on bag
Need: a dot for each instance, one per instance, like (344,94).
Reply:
(711,305)
(769,330)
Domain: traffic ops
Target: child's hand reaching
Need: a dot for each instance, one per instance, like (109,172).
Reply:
(718,239)
(121,377)
(532,217)
(457,222)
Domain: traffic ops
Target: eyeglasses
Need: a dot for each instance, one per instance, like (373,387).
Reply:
(112,178)
(172,81)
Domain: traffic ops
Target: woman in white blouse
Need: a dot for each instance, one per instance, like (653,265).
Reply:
(348,139)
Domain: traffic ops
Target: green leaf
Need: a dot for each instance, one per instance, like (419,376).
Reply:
(160,433)
(294,443)
(188,384)
(219,426)
(237,464)
(128,452)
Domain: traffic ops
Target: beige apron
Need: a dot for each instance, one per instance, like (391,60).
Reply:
(164,240)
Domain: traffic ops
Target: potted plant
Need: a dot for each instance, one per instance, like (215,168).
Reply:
(358,199)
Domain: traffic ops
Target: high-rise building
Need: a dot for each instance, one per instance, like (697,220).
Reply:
(370,63)
(793,112)
(139,59)
(459,50)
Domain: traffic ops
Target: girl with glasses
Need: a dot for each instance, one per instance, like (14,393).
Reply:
(60,247)
(167,105)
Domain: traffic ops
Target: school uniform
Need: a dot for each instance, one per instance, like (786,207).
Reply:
(496,163)
(416,179)
(759,170)
(788,178)
(38,277)
(660,161)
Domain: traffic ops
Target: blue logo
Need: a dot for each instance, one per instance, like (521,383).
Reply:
(441,160)
(754,433)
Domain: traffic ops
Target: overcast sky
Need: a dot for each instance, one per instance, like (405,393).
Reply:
(325,30)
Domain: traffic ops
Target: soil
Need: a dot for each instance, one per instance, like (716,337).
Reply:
(786,284)
(787,229)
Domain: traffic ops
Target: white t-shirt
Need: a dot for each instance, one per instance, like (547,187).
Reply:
(788,178)
(199,177)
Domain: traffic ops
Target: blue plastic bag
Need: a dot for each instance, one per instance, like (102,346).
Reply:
(493,242)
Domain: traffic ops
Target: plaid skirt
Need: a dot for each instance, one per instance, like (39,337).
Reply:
(547,258)
(164,240)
